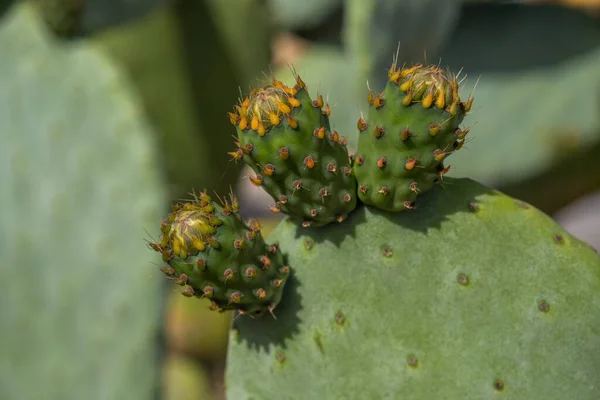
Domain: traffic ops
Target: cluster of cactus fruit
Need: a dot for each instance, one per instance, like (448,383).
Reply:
(371,241)
(285,137)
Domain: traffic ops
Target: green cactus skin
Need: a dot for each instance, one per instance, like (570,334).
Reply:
(285,137)
(472,296)
(411,127)
(209,248)
(81,188)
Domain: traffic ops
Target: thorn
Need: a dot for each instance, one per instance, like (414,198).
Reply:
(363,188)
(347,197)
(283,199)
(362,124)
(384,190)
(261,130)
(182,280)
(359,160)
(208,292)
(427,100)
(441,100)
(460,134)
(379,101)
(269,169)
(381,163)
(257,180)
(266,262)
(405,134)
(270,307)
(409,205)
(243,124)
(434,129)
(250,272)
(283,108)
(274,118)
(379,131)
(319,133)
(228,274)
(235,298)
(294,102)
(323,193)
(284,153)
(318,103)
(439,154)
(309,162)
(273,248)
(188,292)
(233,118)
(414,186)
(407,85)
(410,163)
(334,137)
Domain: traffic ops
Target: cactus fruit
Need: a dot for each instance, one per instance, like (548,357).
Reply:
(81,314)
(285,137)
(411,127)
(471,296)
(209,248)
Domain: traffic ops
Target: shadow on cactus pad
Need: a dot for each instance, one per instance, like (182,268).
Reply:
(426,216)
(271,330)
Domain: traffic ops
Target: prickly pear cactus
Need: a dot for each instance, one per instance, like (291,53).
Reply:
(473,295)
(412,126)
(300,161)
(80,313)
(211,250)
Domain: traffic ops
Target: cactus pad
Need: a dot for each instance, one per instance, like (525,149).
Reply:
(211,250)
(472,296)
(412,126)
(286,139)
(81,188)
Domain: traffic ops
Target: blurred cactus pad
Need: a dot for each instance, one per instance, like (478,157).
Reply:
(81,311)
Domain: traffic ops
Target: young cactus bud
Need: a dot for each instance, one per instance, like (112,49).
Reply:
(295,153)
(414,129)
(210,249)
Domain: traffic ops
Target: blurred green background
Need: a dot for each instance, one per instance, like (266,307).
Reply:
(111,110)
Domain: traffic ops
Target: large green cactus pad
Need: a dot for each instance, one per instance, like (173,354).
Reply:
(80,191)
(474,295)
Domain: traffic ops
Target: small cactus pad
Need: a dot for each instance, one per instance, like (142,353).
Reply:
(411,127)
(285,137)
(211,250)
(472,296)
